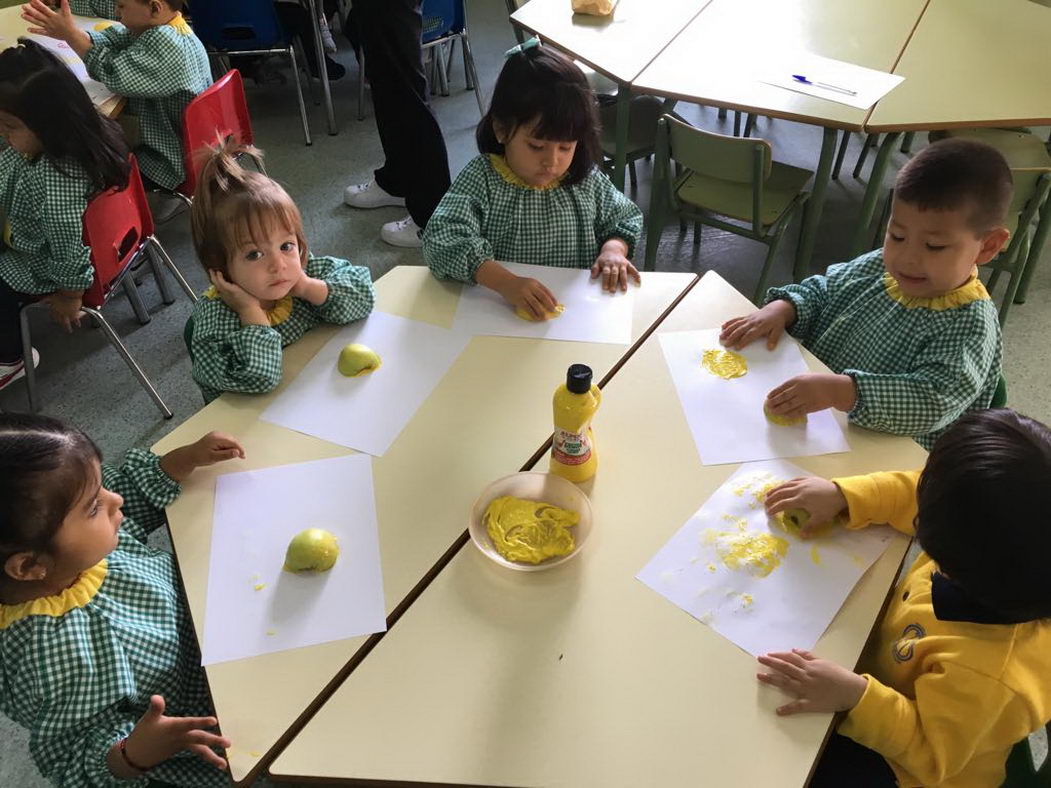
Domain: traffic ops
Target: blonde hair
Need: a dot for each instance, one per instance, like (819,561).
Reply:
(232,205)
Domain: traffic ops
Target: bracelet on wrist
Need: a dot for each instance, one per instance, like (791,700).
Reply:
(123,746)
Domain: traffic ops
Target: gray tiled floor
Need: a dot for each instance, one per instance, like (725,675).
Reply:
(83,381)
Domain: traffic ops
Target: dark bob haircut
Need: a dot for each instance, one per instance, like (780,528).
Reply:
(983,514)
(543,87)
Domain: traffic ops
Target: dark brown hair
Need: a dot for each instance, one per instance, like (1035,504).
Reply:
(959,173)
(983,511)
(540,85)
(232,205)
(45,467)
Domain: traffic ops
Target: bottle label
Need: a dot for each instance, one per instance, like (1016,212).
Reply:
(571,448)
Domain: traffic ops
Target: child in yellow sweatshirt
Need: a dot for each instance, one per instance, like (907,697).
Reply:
(958,672)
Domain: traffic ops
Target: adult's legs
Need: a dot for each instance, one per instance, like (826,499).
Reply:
(295,19)
(416,165)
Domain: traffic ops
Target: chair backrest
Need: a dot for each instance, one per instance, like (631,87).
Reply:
(116,224)
(237,25)
(1031,187)
(220,111)
(439,18)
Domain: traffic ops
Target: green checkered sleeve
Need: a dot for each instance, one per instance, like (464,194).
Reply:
(947,378)
(152,66)
(62,213)
(106,9)
(228,356)
(453,242)
(145,488)
(350,292)
(618,217)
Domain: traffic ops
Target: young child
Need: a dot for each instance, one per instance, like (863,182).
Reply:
(98,658)
(536,194)
(267,291)
(958,672)
(105,9)
(909,331)
(60,152)
(152,58)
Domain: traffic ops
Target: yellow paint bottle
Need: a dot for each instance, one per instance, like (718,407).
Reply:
(573,454)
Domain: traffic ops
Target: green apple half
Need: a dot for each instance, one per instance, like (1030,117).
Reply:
(312,550)
(357,360)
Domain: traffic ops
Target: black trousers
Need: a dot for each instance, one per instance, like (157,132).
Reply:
(847,763)
(416,165)
(11,303)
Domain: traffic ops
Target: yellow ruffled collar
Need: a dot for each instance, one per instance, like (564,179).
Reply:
(970,291)
(504,170)
(77,595)
(279,314)
(180,25)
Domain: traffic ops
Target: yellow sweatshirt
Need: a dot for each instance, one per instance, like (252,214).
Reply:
(950,688)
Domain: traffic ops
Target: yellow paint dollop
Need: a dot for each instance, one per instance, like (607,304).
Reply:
(529,531)
(724,364)
(783,421)
(757,552)
(525,314)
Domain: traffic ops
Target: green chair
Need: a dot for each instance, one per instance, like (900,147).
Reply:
(1021,773)
(733,177)
(644,112)
(187,337)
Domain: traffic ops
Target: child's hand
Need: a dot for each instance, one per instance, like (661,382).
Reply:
(54,23)
(156,738)
(819,686)
(820,498)
(246,306)
(65,309)
(212,448)
(769,322)
(313,291)
(614,267)
(811,392)
(530,295)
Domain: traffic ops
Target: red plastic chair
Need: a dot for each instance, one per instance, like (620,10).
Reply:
(118,227)
(220,111)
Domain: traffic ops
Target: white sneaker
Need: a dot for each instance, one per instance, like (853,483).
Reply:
(9,373)
(370,195)
(404,232)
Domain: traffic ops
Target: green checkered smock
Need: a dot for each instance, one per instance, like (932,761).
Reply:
(490,214)
(918,363)
(105,9)
(78,669)
(159,71)
(228,356)
(43,248)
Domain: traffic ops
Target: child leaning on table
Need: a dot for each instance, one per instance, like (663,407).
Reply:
(267,290)
(909,331)
(153,58)
(958,672)
(536,193)
(98,659)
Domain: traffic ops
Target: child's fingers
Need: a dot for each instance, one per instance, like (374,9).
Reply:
(534,306)
(596,269)
(623,278)
(773,337)
(803,653)
(634,273)
(795,707)
(193,723)
(774,680)
(227,454)
(790,657)
(206,738)
(207,755)
(547,299)
(777,663)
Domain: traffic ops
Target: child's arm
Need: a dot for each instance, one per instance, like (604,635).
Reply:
(70,266)
(454,244)
(618,224)
(339,291)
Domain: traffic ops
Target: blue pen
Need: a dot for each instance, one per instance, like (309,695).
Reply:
(825,85)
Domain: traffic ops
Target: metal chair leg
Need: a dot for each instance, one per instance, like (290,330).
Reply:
(697,234)
(159,278)
(27,357)
(361,86)
(633,177)
(844,143)
(114,340)
(132,291)
(737,123)
(749,124)
(863,156)
(722,114)
(154,247)
(299,96)
(906,142)
(468,61)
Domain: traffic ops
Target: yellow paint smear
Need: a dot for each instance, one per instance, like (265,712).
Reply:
(525,314)
(756,552)
(712,567)
(815,556)
(746,600)
(783,421)
(529,531)
(724,364)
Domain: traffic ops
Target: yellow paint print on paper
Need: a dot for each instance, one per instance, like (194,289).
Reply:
(724,364)
(756,552)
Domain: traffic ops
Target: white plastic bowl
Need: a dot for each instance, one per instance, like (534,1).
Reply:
(531,486)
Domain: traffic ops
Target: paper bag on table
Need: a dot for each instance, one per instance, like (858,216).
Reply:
(594,7)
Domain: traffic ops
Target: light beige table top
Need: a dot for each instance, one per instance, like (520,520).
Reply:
(972,63)
(12,26)
(715,59)
(619,46)
(581,676)
(490,413)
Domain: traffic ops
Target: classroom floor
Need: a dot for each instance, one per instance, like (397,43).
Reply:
(82,380)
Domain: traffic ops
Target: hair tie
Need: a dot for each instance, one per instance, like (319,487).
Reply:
(532,43)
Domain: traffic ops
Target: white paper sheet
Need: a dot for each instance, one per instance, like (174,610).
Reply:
(868,84)
(97,92)
(253,606)
(368,412)
(726,416)
(590,314)
(790,607)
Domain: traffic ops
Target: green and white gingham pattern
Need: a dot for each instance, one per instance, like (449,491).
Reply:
(485,217)
(79,681)
(917,369)
(106,9)
(44,203)
(228,356)
(160,71)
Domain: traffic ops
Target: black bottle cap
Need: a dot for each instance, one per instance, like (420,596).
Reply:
(578,378)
